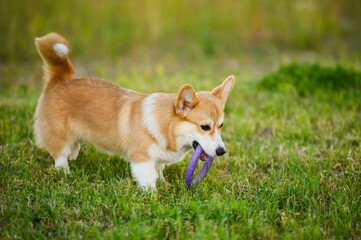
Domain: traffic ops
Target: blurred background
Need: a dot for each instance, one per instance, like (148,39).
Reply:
(189,30)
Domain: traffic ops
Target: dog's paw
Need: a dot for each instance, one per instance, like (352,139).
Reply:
(64,168)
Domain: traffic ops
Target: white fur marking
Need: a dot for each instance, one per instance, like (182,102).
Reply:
(145,174)
(168,157)
(208,144)
(61,50)
(74,151)
(215,111)
(219,141)
(149,120)
(62,161)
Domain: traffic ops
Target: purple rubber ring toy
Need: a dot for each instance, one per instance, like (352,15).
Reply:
(192,167)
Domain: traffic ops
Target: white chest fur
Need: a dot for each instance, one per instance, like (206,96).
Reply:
(157,151)
(168,157)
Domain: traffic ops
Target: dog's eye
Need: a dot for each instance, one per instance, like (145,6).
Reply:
(206,127)
(220,126)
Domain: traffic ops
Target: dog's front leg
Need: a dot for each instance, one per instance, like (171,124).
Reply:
(145,173)
(159,168)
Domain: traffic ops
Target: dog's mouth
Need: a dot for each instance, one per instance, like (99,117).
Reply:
(204,156)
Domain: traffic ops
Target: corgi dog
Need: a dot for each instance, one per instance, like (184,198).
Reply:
(149,130)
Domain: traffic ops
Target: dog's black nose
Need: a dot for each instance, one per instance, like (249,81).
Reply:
(220,151)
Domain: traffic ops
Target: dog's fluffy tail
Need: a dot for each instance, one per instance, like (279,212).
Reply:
(54,50)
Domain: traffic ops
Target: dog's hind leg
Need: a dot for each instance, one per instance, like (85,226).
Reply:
(159,167)
(75,148)
(61,161)
(56,141)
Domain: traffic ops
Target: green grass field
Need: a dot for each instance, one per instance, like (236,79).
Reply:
(292,169)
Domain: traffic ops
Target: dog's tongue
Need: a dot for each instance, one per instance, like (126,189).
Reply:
(204,157)
(198,148)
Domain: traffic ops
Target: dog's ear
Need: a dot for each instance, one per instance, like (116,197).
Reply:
(223,90)
(186,101)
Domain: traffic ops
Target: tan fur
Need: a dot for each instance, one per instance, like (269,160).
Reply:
(72,110)
(55,68)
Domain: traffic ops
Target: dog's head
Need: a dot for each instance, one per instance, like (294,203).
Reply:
(202,114)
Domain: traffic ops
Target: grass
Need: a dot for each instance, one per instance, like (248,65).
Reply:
(315,79)
(292,169)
